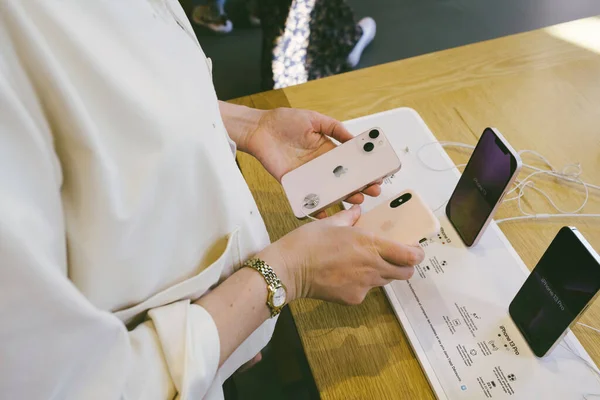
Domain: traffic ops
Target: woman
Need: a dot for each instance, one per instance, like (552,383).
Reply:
(310,39)
(124,222)
(211,15)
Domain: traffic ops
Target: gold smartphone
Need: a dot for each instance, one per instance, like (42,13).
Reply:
(404,218)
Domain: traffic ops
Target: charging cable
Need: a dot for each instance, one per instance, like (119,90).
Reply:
(589,327)
(565,345)
(308,204)
(443,144)
(570,173)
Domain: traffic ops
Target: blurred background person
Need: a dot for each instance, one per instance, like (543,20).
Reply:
(211,15)
(310,39)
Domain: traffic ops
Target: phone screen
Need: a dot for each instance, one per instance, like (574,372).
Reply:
(565,279)
(481,185)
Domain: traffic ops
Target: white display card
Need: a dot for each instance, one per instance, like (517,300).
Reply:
(454,310)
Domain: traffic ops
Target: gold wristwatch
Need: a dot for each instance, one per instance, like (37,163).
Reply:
(276,291)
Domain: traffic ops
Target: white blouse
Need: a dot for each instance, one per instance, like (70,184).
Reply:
(120,203)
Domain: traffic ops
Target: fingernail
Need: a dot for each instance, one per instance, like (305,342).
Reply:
(420,254)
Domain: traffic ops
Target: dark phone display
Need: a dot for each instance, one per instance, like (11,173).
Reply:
(482,183)
(563,282)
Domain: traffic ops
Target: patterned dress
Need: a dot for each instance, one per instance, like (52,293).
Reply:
(305,40)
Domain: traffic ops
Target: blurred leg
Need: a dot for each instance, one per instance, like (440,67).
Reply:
(308,39)
(334,34)
(369,29)
(253,14)
(211,15)
(273,15)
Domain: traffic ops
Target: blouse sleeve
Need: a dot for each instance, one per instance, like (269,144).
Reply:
(53,342)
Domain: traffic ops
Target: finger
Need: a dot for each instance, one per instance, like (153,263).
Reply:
(387,273)
(381,280)
(245,367)
(373,190)
(257,358)
(399,254)
(356,198)
(331,127)
(391,272)
(321,215)
(346,217)
(385,282)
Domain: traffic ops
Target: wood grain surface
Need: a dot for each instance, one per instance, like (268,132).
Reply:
(541,92)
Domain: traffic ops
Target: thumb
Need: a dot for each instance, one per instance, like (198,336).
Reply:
(330,127)
(346,217)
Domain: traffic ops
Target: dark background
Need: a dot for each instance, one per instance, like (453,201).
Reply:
(405,28)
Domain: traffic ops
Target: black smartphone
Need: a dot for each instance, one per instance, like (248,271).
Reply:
(492,168)
(558,290)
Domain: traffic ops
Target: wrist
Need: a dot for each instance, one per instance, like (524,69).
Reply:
(273,257)
(241,122)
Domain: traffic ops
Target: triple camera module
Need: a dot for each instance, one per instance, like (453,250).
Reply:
(368,147)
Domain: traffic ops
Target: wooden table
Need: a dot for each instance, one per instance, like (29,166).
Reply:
(540,91)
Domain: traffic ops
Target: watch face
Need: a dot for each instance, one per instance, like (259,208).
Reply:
(279,297)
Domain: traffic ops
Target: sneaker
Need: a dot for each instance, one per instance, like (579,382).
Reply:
(212,18)
(369,29)
(254,21)
(252,7)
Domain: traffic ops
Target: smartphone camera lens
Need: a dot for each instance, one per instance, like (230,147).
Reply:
(374,134)
(368,147)
(401,200)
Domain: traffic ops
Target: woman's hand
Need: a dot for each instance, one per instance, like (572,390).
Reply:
(329,259)
(286,138)
(332,260)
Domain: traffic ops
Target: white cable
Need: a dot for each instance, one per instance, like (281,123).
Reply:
(564,175)
(558,175)
(571,177)
(527,183)
(305,214)
(521,193)
(310,217)
(589,327)
(441,205)
(454,144)
(565,344)
(547,216)
(458,144)
(535,153)
(521,185)
(560,210)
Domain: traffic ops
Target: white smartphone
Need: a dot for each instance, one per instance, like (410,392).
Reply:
(404,218)
(339,173)
(560,288)
(492,168)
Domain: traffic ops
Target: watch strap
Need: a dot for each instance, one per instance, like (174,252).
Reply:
(265,270)
(270,277)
